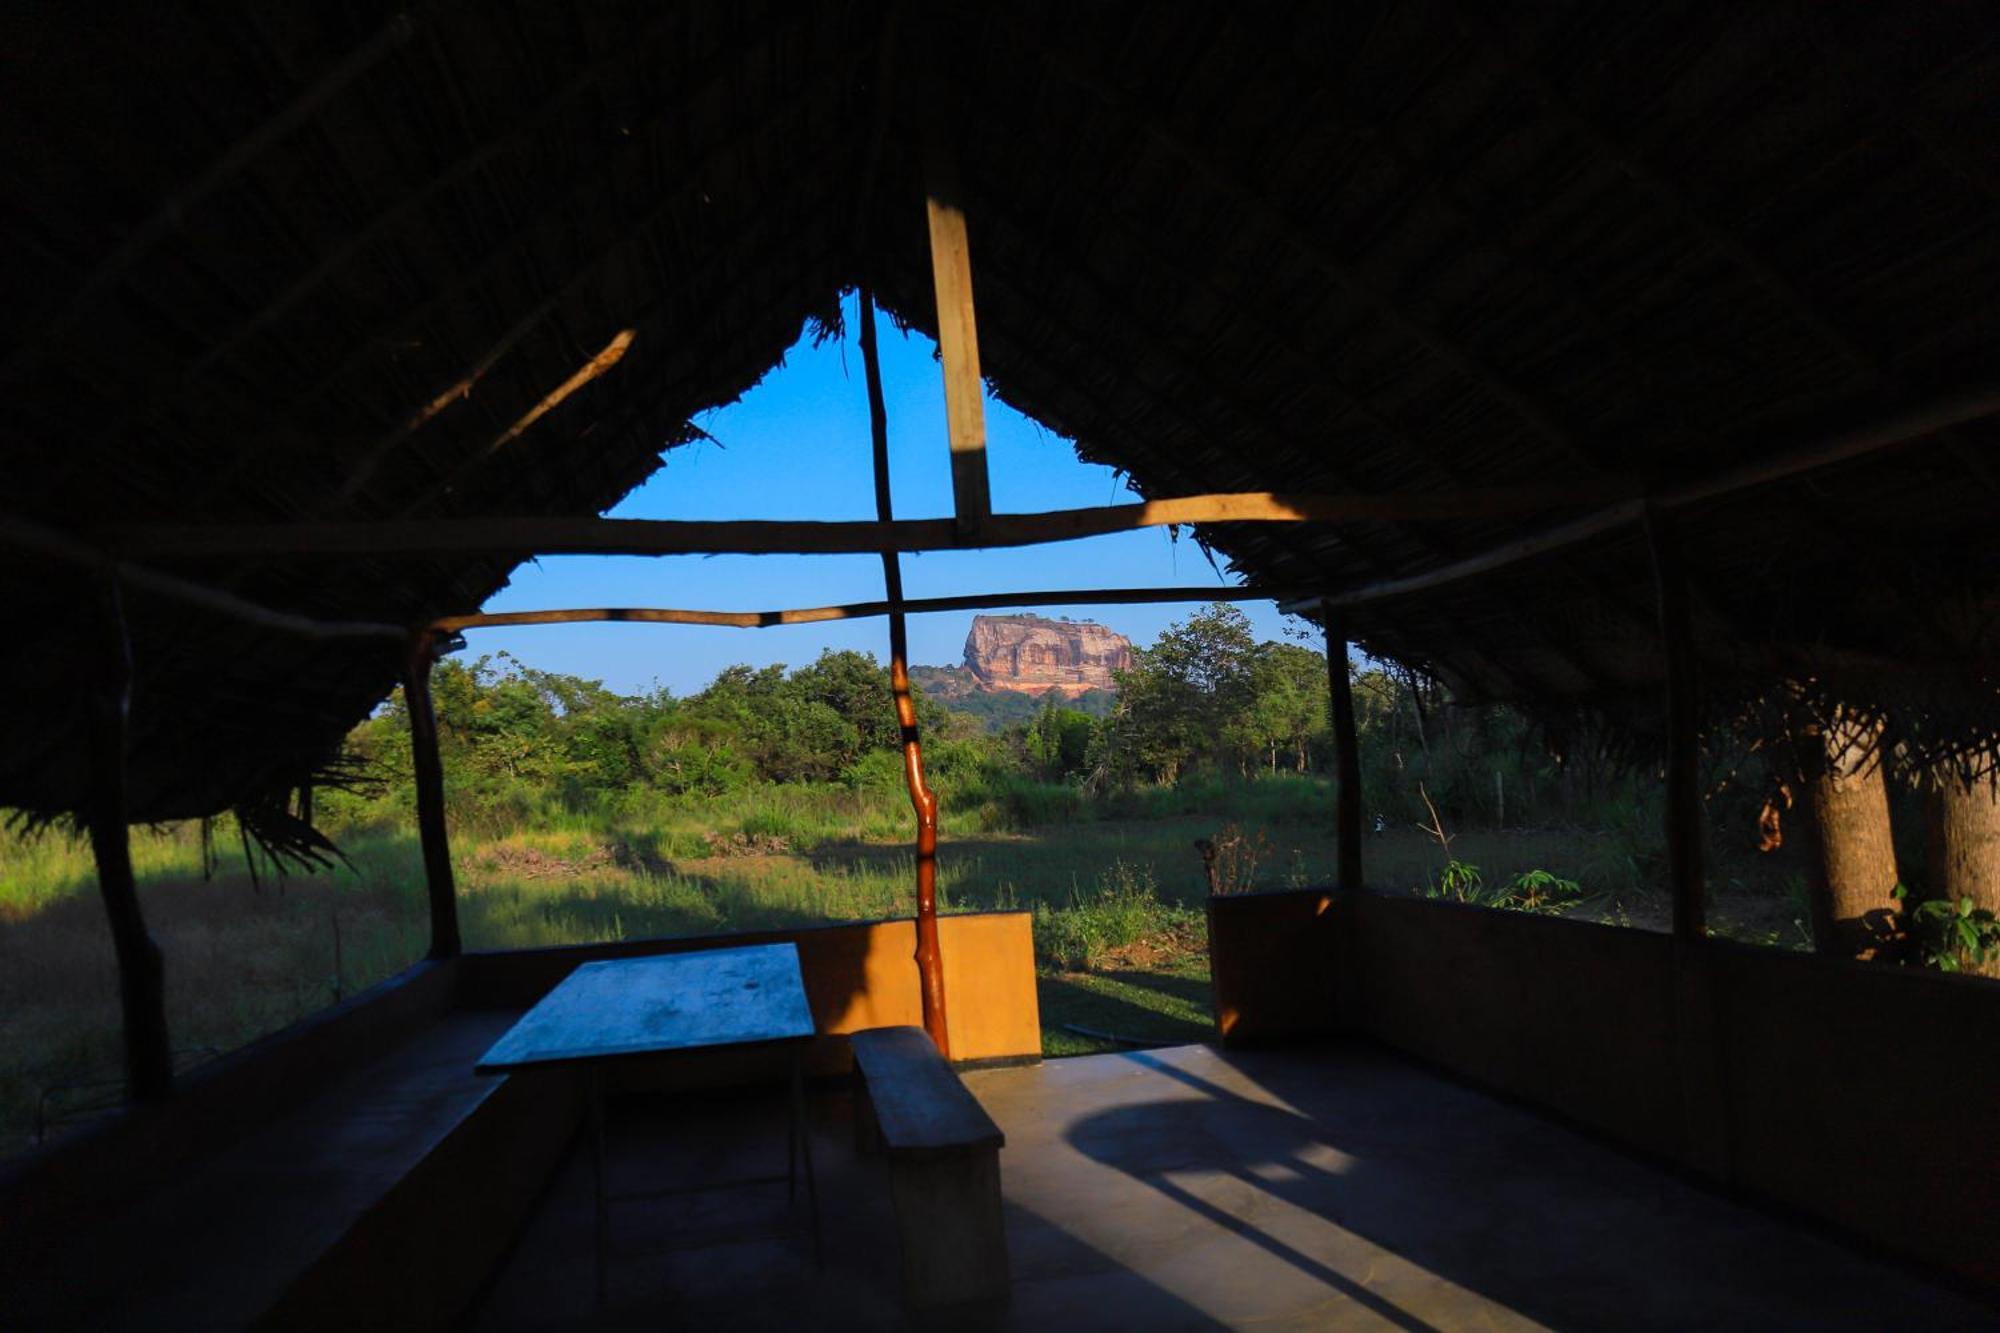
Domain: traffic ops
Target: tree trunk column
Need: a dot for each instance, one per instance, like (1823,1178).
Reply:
(1853,869)
(429,772)
(1964,828)
(1347,758)
(149,1063)
(929,958)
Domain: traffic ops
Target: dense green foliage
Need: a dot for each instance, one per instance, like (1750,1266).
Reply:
(1208,697)
(516,739)
(1205,701)
(518,742)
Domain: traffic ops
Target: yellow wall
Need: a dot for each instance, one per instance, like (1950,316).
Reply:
(857,976)
(866,976)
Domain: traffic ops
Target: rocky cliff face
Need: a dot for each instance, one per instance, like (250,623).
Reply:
(1035,655)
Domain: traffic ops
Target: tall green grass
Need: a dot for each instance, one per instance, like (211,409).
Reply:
(1100,873)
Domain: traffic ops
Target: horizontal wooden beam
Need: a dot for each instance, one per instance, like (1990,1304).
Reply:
(539,535)
(49,543)
(1485,562)
(1842,447)
(1858,441)
(813,615)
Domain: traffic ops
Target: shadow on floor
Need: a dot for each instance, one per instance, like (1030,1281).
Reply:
(741,1258)
(1349,1183)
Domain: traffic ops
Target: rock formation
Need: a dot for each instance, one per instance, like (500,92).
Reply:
(1034,655)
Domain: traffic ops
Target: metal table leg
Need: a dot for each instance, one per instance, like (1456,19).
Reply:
(802,1139)
(594,1093)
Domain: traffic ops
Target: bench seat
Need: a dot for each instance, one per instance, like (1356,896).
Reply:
(379,1203)
(943,1151)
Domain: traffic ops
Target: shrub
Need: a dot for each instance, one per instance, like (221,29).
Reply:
(1122,910)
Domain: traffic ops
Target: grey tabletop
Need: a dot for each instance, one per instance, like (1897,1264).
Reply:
(666,1002)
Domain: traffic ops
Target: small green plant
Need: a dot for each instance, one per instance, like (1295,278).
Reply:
(1949,936)
(1529,891)
(1459,881)
(1539,891)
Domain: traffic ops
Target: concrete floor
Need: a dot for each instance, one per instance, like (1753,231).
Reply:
(1185,1188)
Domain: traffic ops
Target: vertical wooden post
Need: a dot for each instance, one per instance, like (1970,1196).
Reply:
(149,1061)
(429,771)
(958,339)
(1347,757)
(930,960)
(1701,1038)
(1683,808)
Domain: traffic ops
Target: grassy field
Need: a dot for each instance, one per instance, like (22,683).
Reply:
(1116,889)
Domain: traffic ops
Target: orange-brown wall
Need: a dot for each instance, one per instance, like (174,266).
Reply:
(1862,1095)
(1274,964)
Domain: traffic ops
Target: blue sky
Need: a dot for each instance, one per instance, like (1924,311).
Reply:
(796,446)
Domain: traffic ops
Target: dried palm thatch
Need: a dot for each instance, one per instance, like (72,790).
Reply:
(353,262)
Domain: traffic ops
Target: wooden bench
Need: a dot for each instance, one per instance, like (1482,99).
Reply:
(381,1201)
(944,1167)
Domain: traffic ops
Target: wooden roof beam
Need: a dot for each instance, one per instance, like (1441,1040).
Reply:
(1843,447)
(167,218)
(1191,369)
(456,386)
(813,615)
(1353,279)
(544,535)
(958,337)
(1677,201)
(49,543)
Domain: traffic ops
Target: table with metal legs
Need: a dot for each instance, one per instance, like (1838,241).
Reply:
(706,999)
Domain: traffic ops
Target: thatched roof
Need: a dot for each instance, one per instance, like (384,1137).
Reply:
(287,262)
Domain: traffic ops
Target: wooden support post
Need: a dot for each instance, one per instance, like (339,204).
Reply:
(1347,757)
(1683,809)
(958,339)
(930,961)
(429,770)
(149,1062)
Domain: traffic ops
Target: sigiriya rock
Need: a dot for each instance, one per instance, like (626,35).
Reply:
(1034,655)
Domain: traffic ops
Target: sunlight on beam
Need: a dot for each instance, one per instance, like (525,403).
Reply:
(613,353)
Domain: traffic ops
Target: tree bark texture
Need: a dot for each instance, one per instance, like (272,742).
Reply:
(149,1066)
(1853,870)
(1964,842)
(428,767)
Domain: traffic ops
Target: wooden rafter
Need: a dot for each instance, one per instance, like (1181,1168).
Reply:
(1357,280)
(1675,199)
(542,535)
(897,605)
(166,219)
(50,543)
(1190,367)
(557,212)
(958,338)
(1238,408)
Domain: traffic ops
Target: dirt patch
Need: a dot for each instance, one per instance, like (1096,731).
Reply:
(534,863)
(1156,951)
(745,844)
